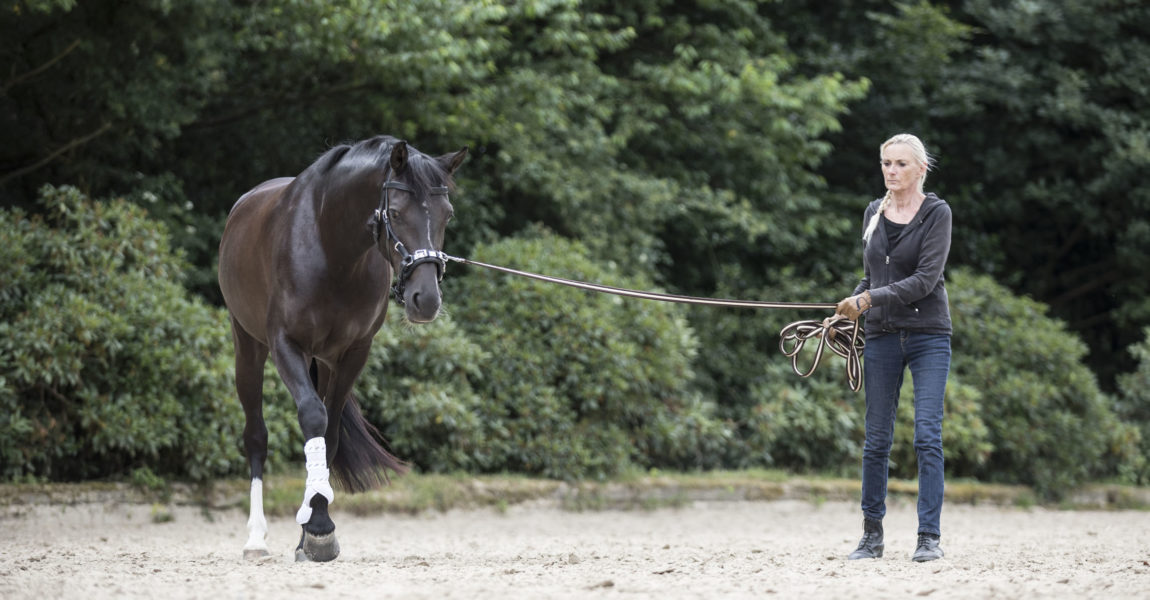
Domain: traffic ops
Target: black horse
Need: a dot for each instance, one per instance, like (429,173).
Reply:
(306,267)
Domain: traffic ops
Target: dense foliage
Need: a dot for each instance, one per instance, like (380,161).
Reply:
(584,384)
(1039,113)
(1046,421)
(708,148)
(106,364)
(522,376)
(1134,407)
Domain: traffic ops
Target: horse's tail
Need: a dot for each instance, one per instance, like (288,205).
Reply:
(361,462)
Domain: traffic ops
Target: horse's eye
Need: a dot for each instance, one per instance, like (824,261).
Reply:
(393,214)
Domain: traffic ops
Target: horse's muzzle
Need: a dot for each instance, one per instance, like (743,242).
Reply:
(421,296)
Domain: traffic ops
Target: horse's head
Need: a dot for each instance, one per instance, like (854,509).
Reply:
(415,212)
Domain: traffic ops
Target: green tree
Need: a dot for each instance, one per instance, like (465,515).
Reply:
(675,135)
(717,149)
(1057,98)
(1037,111)
(192,103)
(97,89)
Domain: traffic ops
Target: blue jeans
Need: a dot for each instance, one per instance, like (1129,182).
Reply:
(885,359)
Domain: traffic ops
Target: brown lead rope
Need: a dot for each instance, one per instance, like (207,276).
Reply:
(838,333)
(833,332)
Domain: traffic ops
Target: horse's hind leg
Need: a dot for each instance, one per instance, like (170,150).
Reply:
(250,357)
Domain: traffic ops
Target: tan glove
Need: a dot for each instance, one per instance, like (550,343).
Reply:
(854,306)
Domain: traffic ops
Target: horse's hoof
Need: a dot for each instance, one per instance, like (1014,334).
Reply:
(256,554)
(318,548)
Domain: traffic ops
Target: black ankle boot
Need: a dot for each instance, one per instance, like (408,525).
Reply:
(871,544)
(928,548)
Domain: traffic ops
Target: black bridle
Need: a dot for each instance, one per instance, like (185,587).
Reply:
(408,260)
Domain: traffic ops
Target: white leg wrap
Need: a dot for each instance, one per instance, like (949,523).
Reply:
(257,523)
(315,453)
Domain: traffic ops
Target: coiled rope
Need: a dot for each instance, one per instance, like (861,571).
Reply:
(838,333)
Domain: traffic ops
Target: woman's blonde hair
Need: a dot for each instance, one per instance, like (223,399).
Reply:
(920,155)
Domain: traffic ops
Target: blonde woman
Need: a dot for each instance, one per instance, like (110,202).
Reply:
(903,295)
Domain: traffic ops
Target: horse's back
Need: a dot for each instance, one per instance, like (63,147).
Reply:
(263,191)
(245,253)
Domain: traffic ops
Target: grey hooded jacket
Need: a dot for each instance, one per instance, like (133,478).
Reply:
(905,278)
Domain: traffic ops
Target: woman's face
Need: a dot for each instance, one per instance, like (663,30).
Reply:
(900,170)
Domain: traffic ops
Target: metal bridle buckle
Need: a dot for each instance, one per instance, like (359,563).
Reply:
(423,255)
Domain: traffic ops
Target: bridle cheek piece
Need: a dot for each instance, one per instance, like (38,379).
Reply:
(408,260)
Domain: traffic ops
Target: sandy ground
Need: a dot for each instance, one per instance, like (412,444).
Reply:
(783,549)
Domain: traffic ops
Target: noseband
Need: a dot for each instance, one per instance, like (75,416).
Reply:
(409,260)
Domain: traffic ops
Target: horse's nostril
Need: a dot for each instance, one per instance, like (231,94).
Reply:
(415,299)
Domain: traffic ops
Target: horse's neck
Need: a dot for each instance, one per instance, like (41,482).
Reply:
(343,213)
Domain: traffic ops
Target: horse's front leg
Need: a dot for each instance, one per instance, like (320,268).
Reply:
(317,540)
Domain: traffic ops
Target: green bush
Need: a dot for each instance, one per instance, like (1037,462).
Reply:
(1134,408)
(805,425)
(419,388)
(818,424)
(106,364)
(965,435)
(780,419)
(1020,407)
(578,384)
(1050,425)
(108,369)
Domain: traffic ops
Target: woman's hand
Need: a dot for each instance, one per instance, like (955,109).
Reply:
(854,306)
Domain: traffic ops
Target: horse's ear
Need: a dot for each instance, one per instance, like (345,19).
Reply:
(398,156)
(451,162)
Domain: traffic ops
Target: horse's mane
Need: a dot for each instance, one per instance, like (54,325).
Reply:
(373,153)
